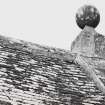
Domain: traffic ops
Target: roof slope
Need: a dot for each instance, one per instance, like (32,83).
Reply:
(31,74)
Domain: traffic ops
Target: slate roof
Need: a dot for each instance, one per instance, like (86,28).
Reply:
(31,74)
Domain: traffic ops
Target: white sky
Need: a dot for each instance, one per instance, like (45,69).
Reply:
(46,22)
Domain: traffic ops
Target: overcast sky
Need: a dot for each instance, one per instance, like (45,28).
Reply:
(46,22)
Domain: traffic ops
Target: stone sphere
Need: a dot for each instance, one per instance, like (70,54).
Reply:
(87,15)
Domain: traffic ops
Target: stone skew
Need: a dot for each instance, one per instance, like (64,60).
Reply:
(90,49)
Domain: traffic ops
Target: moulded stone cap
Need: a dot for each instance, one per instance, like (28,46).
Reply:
(84,42)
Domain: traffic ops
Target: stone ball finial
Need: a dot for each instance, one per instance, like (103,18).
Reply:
(87,15)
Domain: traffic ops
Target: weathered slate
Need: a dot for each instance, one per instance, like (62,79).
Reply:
(31,74)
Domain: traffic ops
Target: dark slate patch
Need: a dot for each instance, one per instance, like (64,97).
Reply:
(5,103)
